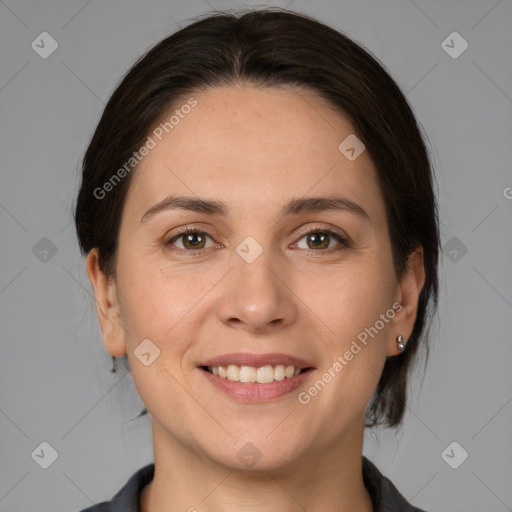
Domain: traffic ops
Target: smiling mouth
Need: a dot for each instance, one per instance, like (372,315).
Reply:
(250,374)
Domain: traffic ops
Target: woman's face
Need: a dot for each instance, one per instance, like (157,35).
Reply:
(274,278)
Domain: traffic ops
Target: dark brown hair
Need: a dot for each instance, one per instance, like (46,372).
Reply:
(272,48)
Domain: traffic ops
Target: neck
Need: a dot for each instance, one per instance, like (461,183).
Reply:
(189,481)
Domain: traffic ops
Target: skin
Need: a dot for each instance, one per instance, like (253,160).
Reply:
(255,150)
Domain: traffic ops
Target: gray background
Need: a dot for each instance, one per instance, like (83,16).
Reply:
(55,380)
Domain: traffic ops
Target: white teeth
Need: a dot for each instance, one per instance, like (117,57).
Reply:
(262,375)
(233,372)
(265,374)
(279,372)
(247,374)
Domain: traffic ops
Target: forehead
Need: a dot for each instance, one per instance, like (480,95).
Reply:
(255,147)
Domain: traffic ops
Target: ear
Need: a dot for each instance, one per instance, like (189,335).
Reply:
(410,287)
(107,306)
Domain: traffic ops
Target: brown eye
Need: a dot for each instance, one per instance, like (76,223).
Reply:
(320,240)
(191,240)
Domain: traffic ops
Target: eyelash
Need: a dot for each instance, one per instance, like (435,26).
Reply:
(343,242)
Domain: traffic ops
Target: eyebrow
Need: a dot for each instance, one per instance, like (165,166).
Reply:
(293,207)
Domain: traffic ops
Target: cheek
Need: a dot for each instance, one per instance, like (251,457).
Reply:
(155,301)
(160,308)
(354,297)
(357,308)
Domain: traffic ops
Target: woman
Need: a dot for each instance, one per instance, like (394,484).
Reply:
(258,216)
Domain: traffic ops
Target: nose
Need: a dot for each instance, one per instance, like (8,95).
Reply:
(258,296)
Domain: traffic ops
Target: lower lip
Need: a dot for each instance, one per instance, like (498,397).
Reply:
(253,392)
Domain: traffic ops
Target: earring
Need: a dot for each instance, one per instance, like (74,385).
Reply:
(400,342)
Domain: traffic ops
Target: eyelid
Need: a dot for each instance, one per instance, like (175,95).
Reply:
(343,243)
(343,238)
(323,228)
(169,239)
(212,233)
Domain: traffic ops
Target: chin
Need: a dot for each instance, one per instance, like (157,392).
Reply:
(258,456)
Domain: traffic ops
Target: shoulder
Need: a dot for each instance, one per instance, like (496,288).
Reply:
(127,499)
(385,496)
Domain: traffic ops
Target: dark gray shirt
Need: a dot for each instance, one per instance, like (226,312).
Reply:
(384,494)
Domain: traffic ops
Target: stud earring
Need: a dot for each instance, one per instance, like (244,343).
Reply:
(400,342)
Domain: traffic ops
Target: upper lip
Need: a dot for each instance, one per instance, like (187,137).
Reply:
(256,360)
